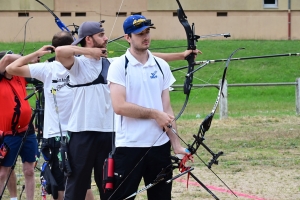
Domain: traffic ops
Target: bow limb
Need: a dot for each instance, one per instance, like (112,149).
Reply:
(199,138)
(24,41)
(205,125)
(191,45)
(58,22)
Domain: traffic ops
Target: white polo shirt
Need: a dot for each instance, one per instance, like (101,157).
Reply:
(54,75)
(144,85)
(92,109)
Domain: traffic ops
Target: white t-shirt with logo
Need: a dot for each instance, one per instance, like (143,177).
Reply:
(92,109)
(54,75)
(144,85)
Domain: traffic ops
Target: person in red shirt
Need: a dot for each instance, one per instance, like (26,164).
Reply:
(14,122)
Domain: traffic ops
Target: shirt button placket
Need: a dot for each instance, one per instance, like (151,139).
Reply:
(144,73)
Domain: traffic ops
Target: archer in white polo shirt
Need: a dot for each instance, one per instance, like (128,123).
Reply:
(139,87)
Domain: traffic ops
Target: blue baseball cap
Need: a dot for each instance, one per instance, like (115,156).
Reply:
(136,24)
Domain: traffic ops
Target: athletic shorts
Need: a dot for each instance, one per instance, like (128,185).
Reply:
(28,152)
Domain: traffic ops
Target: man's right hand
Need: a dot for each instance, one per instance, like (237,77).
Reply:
(97,53)
(45,50)
(163,119)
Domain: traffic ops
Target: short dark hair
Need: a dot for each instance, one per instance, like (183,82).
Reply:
(62,38)
(129,35)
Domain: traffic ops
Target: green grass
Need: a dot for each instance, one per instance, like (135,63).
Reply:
(242,101)
(262,131)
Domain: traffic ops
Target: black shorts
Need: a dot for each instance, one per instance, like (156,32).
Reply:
(58,174)
(150,164)
(87,152)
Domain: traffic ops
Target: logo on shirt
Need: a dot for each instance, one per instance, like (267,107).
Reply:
(64,82)
(153,75)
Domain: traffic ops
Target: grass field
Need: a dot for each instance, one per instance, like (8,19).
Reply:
(261,137)
(242,101)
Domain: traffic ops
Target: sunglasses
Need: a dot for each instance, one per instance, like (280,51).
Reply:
(142,22)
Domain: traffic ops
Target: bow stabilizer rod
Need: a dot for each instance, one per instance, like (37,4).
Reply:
(226,35)
(241,58)
(251,57)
